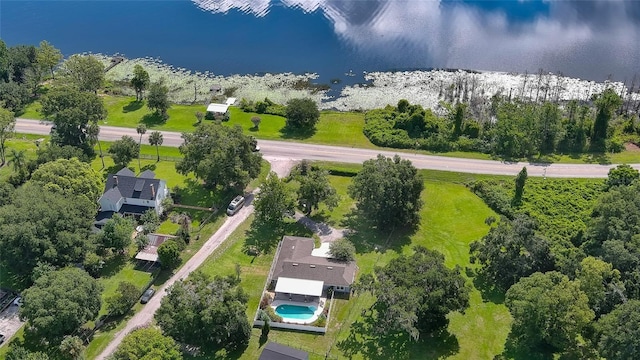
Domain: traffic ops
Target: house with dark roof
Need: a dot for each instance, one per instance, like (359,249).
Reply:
(298,271)
(128,194)
(275,351)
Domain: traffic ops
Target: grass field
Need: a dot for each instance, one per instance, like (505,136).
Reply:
(334,128)
(451,219)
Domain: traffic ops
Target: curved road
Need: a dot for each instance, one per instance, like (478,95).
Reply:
(298,151)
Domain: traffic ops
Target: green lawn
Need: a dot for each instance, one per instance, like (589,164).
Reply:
(452,218)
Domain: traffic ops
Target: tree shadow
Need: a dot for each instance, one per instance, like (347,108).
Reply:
(297,133)
(254,129)
(516,351)
(113,264)
(265,237)
(153,119)
(132,106)
(194,193)
(366,237)
(365,339)
(151,167)
(488,290)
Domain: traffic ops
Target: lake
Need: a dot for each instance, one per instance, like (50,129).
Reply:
(588,39)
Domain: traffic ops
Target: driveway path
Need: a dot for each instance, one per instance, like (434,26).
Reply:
(145,316)
(298,151)
(281,167)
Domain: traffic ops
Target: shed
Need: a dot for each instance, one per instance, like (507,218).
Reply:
(275,351)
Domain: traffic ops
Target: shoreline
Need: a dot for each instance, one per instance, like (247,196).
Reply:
(424,87)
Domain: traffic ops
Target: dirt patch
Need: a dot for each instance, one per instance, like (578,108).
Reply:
(631,147)
(281,166)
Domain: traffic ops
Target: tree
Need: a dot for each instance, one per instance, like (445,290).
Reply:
(521,179)
(14,95)
(316,188)
(92,263)
(199,116)
(71,178)
(621,175)
(169,254)
(204,312)
(158,99)
(40,225)
(48,57)
(141,240)
(123,300)
(72,347)
(606,104)
(140,81)
(256,120)
(155,139)
(60,302)
(515,130)
(7,127)
(73,112)
(548,311)
(512,250)
(219,155)
(19,353)
(415,293)
(92,134)
(549,127)
(274,202)
(116,233)
(343,250)
(18,160)
(147,344)
(86,73)
(124,150)
(302,114)
(601,283)
(141,129)
(457,116)
(618,333)
(150,221)
(52,152)
(388,192)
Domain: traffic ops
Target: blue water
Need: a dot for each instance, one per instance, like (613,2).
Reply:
(590,39)
(296,312)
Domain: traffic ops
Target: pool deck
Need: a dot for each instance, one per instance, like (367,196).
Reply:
(313,318)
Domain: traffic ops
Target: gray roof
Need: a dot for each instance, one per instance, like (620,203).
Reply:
(295,261)
(125,172)
(131,186)
(275,351)
(112,194)
(147,174)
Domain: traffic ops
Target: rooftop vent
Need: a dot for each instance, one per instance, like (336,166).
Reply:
(295,264)
(312,266)
(330,267)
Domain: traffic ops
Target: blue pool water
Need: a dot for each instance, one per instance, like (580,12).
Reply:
(296,312)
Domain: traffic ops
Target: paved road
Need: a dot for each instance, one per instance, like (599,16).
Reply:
(297,151)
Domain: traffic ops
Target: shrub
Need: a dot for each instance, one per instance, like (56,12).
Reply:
(272,314)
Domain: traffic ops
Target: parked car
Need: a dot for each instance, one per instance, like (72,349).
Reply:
(17,301)
(146,296)
(236,204)
(2,338)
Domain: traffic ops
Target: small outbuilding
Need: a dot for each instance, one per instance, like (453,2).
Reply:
(150,252)
(275,351)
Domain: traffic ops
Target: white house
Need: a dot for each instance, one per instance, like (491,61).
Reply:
(126,193)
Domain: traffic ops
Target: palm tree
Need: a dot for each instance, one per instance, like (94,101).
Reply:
(141,129)
(155,139)
(93,132)
(18,160)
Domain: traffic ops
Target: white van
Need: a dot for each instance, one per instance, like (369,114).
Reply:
(236,204)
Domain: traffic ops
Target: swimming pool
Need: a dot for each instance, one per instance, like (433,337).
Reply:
(296,312)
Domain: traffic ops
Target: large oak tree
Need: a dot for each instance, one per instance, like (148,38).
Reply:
(388,192)
(220,156)
(60,302)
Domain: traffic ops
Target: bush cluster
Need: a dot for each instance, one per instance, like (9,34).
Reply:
(263,107)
